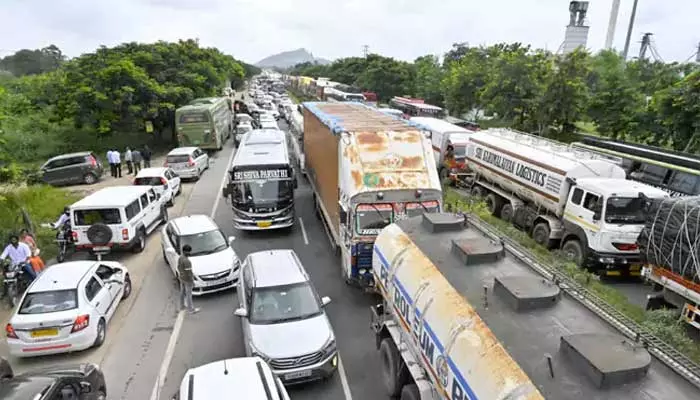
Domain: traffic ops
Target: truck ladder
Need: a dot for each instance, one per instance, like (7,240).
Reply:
(664,352)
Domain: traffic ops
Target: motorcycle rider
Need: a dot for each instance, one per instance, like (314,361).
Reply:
(19,254)
(63,225)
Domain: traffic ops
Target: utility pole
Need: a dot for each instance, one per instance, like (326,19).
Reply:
(629,31)
(697,54)
(612,24)
(365,50)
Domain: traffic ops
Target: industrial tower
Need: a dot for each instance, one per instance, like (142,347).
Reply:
(577,31)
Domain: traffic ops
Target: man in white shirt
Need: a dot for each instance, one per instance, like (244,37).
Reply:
(128,159)
(110,160)
(117,162)
(19,253)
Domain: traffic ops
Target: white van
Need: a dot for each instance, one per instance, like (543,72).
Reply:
(443,134)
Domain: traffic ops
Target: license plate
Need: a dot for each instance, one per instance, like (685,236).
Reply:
(45,332)
(297,375)
(264,224)
(216,282)
(100,248)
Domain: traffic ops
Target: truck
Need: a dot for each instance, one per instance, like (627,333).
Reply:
(261,182)
(366,170)
(442,135)
(575,201)
(463,315)
(669,247)
(206,123)
(296,128)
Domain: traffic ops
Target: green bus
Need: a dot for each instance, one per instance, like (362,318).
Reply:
(206,123)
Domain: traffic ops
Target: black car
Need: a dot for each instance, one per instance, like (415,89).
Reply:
(79,382)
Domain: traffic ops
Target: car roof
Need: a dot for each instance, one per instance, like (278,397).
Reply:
(154,171)
(182,150)
(61,276)
(193,224)
(247,377)
(114,196)
(276,268)
(24,386)
(69,155)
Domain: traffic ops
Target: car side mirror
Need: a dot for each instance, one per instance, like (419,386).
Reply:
(171,251)
(596,216)
(231,239)
(241,312)
(85,387)
(325,300)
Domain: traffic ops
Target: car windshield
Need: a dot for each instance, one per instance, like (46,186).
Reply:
(148,181)
(108,216)
(48,302)
(625,210)
(372,218)
(262,191)
(272,305)
(205,242)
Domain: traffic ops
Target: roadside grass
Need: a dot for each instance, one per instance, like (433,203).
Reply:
(42,204)
(664,324)
(299,98)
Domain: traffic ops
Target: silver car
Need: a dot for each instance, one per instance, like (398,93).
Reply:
(283,319)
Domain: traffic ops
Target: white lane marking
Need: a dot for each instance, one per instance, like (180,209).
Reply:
(303,231)
(221,187)
(170,350)
(344,380)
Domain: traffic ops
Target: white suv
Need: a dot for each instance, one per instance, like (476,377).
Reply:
(118,217)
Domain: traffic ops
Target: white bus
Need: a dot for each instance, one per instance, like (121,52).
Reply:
(333,94)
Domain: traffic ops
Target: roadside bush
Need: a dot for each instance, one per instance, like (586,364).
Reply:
(664,324)
(42,204)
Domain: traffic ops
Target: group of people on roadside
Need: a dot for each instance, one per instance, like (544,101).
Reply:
(132,158)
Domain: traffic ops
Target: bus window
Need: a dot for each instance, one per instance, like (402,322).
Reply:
(684,182)
(193,118)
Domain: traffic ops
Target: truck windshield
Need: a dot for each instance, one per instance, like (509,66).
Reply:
(460,151)
(625,210)
(372,218)
(277,304)
(415,209)
(253,192)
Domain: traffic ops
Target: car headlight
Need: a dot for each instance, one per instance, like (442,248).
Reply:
(236,264)
(330,346)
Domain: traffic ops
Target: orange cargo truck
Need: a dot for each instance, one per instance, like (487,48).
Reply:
(367,169)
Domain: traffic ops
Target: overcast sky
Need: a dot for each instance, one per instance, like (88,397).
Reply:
(253,29)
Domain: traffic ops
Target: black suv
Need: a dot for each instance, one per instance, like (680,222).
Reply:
(72,169)
(75,382)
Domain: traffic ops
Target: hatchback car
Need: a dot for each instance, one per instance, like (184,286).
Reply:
(241,130)
(247,378)
(82,381)
(67,308)
(187,162)
(163,180)
(71,169)
(215,264)
(283,318)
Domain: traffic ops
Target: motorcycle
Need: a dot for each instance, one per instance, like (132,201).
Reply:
(64,241)
(15,283)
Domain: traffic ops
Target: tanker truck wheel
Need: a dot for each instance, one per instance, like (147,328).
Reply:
(494,204)
(540,233)
(394,371)
(477,192)
(507,212)
(410,392)
(573,251)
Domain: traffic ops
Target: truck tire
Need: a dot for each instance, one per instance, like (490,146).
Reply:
(573,251)
(507,212)
(494,203)
(394,371)
(410,392)
(477,191)
(540,233)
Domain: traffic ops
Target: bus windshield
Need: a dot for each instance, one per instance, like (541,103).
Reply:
(262,191)
(625,210)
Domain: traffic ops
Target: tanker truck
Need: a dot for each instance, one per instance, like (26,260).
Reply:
(573,200)
(366,170)
(463,317)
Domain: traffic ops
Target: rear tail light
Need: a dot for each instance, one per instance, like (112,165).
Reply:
(190,162)
(625,246)
(80,323)
(75,236)
(10,332)
(92,161)
(125,234)
(163,181)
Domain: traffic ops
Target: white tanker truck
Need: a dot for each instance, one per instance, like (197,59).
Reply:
(565,198)
(463,318)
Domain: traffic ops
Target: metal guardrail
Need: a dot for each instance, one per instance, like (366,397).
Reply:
(663,351)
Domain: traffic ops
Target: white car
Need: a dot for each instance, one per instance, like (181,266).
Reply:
(268,124)
(215,264)
(241,130)
(67,308)
(163,180)
(187,162)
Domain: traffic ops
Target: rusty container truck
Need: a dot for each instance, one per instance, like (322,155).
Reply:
(367,169)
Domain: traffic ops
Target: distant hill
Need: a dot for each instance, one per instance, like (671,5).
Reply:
(289,59)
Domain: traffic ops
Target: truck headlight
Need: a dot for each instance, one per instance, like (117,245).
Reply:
(362,271)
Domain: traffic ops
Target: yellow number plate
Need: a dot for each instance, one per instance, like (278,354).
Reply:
(45,332)
(264,224)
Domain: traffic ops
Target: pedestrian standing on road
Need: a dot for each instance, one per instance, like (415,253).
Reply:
(117,162)
(146,153)
(110,160)
(136,157)
(184,274)
(127,158)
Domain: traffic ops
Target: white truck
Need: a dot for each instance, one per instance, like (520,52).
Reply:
(296,128)
(574,200)
(442,135)
(463,318)
(367,169)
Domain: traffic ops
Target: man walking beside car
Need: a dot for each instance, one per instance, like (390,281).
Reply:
(110,160)
(136,157)
(186,278)
(146,153)
(117,162)
(127,158)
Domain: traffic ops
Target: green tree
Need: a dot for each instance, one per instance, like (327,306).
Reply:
(428,81)
(33,62)
(567,93)
(679,109)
